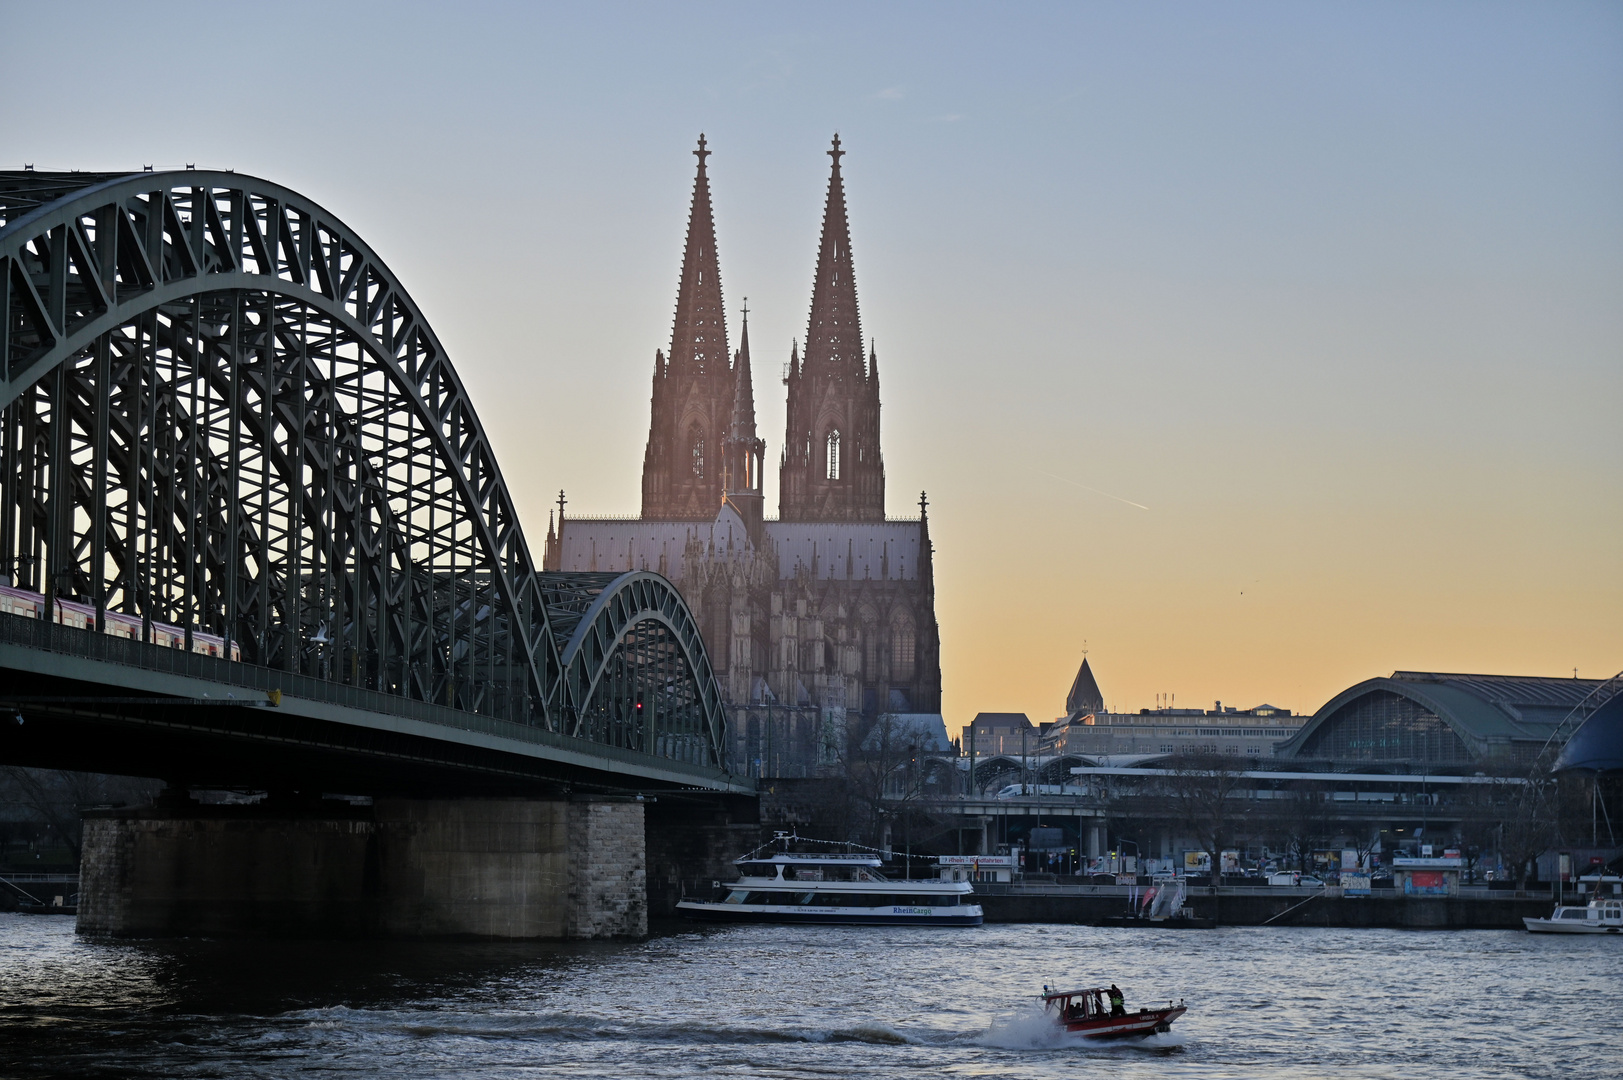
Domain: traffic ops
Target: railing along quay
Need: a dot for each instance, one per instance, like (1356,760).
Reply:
(1043,888)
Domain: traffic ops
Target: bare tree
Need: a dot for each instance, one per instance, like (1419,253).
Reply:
(1527,822)
(57,797)
(1480,814)
(1301,816)
(1202,791)
(886,771)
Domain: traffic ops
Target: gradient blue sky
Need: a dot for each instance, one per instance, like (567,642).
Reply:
(1335,290)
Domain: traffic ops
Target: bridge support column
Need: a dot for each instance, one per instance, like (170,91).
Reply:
(485,868)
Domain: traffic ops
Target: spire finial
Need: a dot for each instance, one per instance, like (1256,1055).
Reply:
(560,506)
(836,153)
(924,505)
(746,310)
(701,153)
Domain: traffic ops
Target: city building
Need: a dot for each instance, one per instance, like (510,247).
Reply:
(1000,733)
(1088,729)
(824,617)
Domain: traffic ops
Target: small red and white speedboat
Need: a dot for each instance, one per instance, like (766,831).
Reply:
(1088,1013)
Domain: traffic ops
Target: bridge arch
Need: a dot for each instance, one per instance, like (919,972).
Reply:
(223,412)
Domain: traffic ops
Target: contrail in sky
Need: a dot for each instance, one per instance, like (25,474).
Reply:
(1095,490)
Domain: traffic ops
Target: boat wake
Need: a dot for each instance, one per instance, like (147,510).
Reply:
(1029,1029)
(563,1027)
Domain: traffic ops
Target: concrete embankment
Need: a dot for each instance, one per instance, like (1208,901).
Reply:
(1088,905)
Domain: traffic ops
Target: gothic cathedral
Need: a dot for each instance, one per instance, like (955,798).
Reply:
(816,622)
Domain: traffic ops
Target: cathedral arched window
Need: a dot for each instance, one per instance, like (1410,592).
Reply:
(696,441)
(901,648)
(868,641)
(834,454)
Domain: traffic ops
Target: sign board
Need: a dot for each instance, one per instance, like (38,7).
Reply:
(1429,863)
(1354,884)
(1196,862)
(1231,862)
(1349,858)
(987,861)
(1425,883)
(1047,839)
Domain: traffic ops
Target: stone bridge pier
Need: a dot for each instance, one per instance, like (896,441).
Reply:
(514,868)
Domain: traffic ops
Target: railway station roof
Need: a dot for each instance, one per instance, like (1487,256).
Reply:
(1424,720)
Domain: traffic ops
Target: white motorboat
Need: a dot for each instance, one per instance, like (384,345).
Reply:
(793,887)
(1602,915)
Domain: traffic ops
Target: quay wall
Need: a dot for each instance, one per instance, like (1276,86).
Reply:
(1291,907)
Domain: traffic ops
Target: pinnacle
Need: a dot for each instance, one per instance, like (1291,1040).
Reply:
(743,420)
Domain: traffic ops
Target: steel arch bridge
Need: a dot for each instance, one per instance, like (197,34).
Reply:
(227,423)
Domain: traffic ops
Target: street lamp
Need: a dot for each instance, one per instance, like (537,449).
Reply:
(1137,857)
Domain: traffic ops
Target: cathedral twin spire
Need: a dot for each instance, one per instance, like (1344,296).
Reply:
(685,466)
(699,337)
(702,447)
(831,468)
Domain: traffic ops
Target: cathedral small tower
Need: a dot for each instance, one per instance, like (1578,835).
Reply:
(831,468)
(691,410)
(744,454)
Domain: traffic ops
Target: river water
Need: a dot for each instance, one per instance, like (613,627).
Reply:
(810,1002)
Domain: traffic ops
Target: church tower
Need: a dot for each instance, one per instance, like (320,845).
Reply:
(744,455)
(831,468)
(683,470)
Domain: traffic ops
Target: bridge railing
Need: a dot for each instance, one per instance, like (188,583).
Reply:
(233,674)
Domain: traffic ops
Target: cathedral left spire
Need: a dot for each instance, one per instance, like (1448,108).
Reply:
(693,395)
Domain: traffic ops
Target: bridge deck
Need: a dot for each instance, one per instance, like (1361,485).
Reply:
(83,693)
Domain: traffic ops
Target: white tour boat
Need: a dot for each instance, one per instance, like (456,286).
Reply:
(793,887)
(1602,915)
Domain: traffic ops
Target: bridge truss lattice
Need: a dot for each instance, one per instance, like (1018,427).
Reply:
(222,412)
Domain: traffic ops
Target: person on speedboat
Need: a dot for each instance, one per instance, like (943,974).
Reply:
(1118,1006)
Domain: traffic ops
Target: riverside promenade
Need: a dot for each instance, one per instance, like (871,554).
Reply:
(1262,905)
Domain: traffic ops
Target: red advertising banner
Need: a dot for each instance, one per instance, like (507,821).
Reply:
(1425,883)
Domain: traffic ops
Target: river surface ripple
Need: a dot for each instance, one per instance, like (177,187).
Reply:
(810,1002)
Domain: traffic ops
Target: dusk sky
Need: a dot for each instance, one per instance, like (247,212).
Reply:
(1257,348)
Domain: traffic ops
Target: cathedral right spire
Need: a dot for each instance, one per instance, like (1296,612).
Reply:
(832,469)
(834,336)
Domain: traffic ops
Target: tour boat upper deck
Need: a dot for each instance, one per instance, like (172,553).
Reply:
(802,887)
